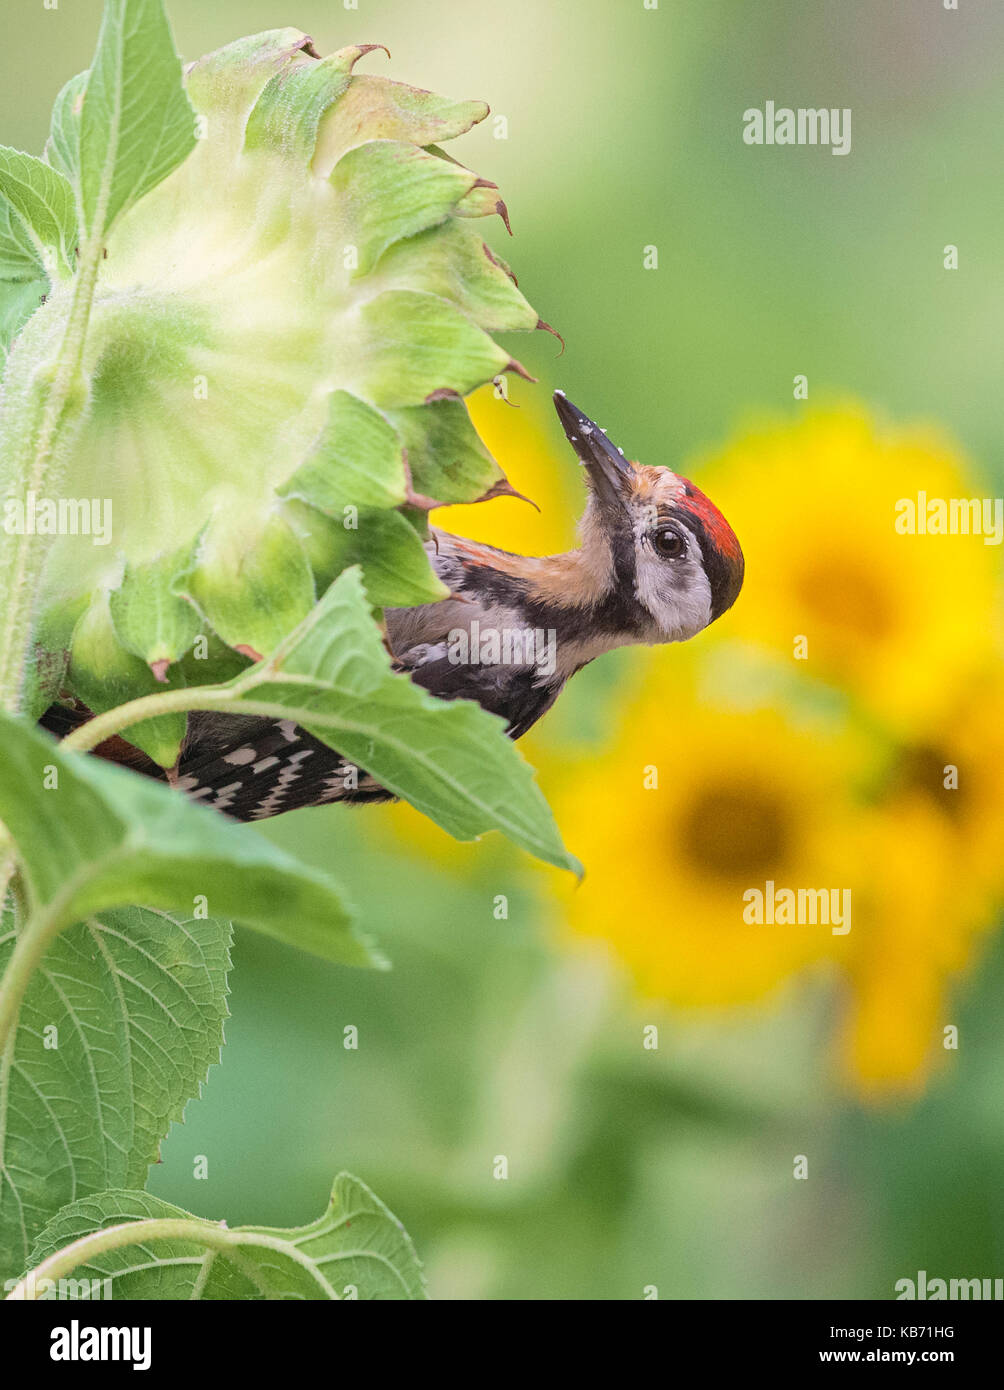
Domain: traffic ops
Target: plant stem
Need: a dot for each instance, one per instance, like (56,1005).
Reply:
(216,1238)
(227,699)
(113,721)
(8,863)
(29,948)
(22,555)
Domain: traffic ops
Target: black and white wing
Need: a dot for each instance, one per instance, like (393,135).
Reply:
(251,769)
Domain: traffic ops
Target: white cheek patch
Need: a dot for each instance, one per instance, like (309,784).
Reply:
(676,593)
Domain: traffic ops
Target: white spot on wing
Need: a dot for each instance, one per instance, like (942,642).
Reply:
(272,803)
(240,756)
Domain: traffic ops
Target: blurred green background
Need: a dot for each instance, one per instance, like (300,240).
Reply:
(631,1168)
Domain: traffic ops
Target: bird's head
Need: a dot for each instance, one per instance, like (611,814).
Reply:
(653,536)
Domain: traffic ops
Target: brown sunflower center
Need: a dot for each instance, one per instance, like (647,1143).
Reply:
(736,831)
(847,596)
(922,768)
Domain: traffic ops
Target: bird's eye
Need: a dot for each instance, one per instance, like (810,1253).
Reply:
(669,544)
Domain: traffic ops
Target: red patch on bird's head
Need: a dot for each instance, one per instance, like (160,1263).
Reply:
(723,556)
(718,530)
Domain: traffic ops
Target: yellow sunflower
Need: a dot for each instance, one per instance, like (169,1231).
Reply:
(688,809)
(955,764)
(892,618)
(919,924)
(695,806)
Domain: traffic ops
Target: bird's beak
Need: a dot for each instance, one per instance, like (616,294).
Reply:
(610,473)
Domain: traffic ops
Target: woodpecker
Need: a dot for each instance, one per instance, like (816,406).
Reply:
(657,563)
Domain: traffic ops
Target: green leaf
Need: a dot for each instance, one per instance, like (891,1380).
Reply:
(46,675)
(62,149)
(447,459)
(483,201)
(92,836)
(211,661)
(357,1249)
(38,222)
(288,112)
(105,674)
(251,578)
(396,569)
(115,1035)
(411,345)
(19,298)
(408,191)
(136,123)
(388,110)
(37,238)
(395,566)
(454,262)
(152,622)
(229,80)
(356,461)
(450,759)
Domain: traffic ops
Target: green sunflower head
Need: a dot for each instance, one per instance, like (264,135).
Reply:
(282,334)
